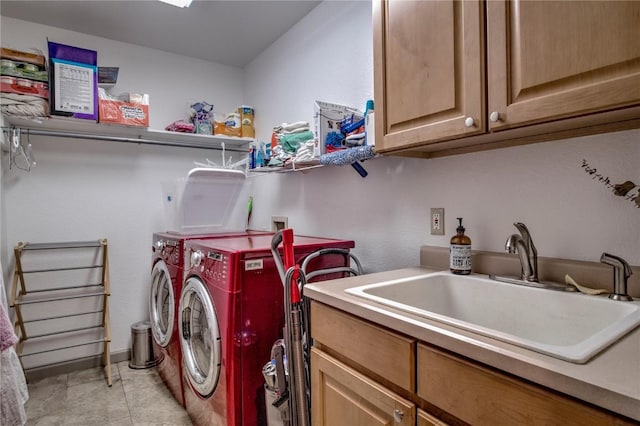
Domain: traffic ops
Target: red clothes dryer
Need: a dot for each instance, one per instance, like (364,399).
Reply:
(167,277)
(231,312)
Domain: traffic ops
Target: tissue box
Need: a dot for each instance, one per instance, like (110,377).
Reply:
(326,119)
(129,109)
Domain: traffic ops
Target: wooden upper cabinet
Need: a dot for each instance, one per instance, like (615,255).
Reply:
(428,71)
(560,59)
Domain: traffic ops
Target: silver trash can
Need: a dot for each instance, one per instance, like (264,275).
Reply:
(142,346)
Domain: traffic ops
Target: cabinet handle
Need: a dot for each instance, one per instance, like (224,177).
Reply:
(398,415)
(495,117)
(468,122)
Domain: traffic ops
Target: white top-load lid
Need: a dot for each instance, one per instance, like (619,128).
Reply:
(209,202)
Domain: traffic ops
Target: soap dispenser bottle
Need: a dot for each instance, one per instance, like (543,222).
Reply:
(460,252)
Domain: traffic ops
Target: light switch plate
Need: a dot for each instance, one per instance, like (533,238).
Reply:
(437,221)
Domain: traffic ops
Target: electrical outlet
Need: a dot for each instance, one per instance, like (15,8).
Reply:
(437,221)
(279,222)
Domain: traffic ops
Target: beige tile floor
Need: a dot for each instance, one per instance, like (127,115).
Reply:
(137,398)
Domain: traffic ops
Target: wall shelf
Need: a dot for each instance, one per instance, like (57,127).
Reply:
(293,166)
(81,129)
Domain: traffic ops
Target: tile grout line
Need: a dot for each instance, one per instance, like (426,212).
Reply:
(125,394)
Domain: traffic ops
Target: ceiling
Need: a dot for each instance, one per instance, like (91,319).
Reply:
(227,32)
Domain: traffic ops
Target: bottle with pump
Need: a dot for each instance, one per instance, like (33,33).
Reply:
(460,252)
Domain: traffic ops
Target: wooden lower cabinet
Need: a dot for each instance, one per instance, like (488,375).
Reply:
(341,396)
(481,396)
(426,419)
(370,385)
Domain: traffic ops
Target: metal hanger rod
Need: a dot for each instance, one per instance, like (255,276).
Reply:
(71,135)
(65,245)
(71,268)
(63,316)
(64,347)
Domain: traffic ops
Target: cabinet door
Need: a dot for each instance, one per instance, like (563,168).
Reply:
(426,419)
(551,60)
(428,71)
(342,396)
(478,395)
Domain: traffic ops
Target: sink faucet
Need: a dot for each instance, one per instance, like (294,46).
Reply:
(621,271)
(523,245)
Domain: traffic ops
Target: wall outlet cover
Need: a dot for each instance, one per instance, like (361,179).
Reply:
(279,222)
(437,221)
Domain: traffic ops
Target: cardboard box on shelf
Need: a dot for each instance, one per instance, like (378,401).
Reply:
(129,109)
(247,115)
(326,119)
(20,56)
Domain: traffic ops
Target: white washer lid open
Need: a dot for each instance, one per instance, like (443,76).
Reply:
(208,201)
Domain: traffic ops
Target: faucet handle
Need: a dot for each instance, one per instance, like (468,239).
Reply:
(621,271)
(616,262)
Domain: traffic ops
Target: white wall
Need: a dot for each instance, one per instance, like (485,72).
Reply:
(328,56)
(84,189)
(88,189)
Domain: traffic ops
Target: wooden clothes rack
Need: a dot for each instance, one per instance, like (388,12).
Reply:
(22,296)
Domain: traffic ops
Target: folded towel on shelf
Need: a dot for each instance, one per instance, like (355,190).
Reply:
(305,152)
(298,130)
(293,126)
(290,143)
(23,105)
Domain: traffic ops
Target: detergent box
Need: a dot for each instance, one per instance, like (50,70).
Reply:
(326,119)
(246,121)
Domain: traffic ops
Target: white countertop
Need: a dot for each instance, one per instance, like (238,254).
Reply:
(611,380)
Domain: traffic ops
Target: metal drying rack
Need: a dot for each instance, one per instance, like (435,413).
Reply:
(25,297)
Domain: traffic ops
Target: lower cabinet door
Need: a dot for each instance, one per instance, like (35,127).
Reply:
(426,419)
(342,396)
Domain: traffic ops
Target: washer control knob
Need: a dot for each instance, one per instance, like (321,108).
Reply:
(160,245)
(468,122)
(196,258)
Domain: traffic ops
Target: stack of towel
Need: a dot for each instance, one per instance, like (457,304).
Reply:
(294,143)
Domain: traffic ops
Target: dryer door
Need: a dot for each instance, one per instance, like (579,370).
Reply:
(199,337)
(161,304)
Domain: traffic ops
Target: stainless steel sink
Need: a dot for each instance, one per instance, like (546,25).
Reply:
(569,326)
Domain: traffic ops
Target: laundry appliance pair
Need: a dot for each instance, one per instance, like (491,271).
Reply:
(216,299)
(167,279)
(207,204)
(231,312)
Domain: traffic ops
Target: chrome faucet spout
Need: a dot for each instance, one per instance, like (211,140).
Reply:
(515,244)
(523,245)
(532,252)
